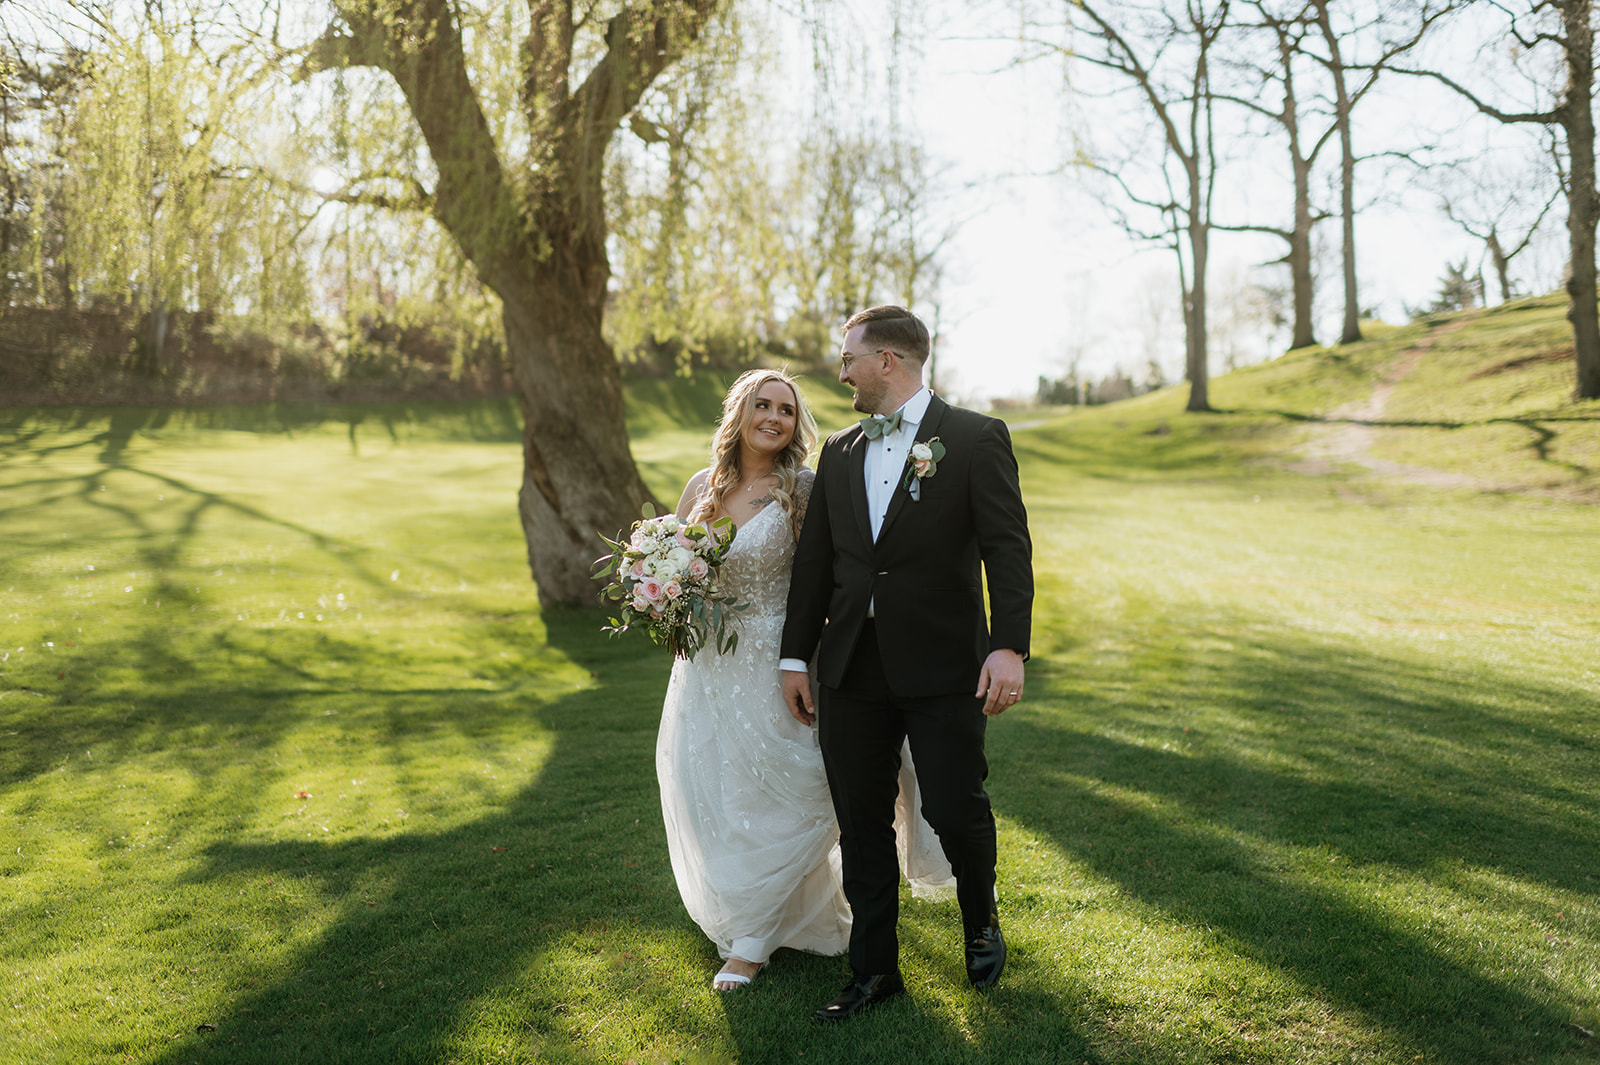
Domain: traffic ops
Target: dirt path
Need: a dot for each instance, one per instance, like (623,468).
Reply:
(1354,426)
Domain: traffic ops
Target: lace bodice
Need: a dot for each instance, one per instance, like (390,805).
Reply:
(756,570)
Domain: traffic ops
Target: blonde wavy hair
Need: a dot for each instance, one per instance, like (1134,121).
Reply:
(737,410)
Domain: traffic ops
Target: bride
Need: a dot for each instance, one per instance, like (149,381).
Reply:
(750,825)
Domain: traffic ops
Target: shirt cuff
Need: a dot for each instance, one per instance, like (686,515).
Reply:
(792,665)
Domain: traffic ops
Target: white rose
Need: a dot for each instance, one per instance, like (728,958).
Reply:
(921,452)
(668,570)
(680,557)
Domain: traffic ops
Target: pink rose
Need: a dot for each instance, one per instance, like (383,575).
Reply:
(672,589)
(699,568)
(636,571)
(650,588)
(640,604)
(922,466)
(684,541)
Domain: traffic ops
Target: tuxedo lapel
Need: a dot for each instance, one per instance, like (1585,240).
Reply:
(856,455)
(925,432)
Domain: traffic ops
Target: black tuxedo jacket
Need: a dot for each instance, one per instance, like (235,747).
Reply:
(924,573)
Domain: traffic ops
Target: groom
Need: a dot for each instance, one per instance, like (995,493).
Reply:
(888,580)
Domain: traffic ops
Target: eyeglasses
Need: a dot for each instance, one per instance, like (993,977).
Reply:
(846,359)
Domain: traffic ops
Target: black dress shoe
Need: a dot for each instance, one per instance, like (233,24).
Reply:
(860,993)
(986,955)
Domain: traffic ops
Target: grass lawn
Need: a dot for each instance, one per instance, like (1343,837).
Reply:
(293,768)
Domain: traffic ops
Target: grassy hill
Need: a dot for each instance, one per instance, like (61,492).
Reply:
(1482,395)
(292,767)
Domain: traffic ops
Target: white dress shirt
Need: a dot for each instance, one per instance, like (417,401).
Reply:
(886,458)
(886,465)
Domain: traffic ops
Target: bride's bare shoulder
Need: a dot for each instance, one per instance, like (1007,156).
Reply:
(692,491)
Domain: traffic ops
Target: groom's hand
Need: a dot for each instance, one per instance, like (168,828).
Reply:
(1000,682)
(797,696)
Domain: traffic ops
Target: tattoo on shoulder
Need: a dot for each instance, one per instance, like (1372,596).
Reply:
(759,504)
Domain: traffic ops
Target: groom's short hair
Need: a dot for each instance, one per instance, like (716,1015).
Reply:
(894,328)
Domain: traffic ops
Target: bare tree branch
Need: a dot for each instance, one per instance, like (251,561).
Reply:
(1543,118)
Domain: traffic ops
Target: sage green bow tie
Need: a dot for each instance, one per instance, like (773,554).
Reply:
(878,425)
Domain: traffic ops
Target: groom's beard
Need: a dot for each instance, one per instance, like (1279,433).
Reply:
(868,402)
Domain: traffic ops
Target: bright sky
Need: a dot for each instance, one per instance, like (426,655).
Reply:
(1040,270)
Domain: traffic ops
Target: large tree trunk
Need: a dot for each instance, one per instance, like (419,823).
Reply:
(1584,203)
(579,478)
(540,243)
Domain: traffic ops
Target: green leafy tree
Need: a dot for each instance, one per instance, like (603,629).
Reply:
(38,94)
(529,212)
(733,245)
(156,213)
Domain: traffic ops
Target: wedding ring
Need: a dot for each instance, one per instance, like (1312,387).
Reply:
(1014,693)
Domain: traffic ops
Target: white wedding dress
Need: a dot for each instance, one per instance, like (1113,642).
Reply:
(750,824)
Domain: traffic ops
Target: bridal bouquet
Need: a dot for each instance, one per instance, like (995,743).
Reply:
(666,583)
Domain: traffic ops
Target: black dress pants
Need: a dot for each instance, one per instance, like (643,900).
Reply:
(861,725)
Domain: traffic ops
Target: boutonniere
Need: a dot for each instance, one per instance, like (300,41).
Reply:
(922,461)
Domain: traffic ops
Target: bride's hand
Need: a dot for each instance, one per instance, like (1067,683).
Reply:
(797,696)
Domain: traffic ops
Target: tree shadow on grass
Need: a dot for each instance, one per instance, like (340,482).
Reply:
(1035,1014)
(1391,771)
(551,929)
(1006,1025)
(162,653)
(457,931)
